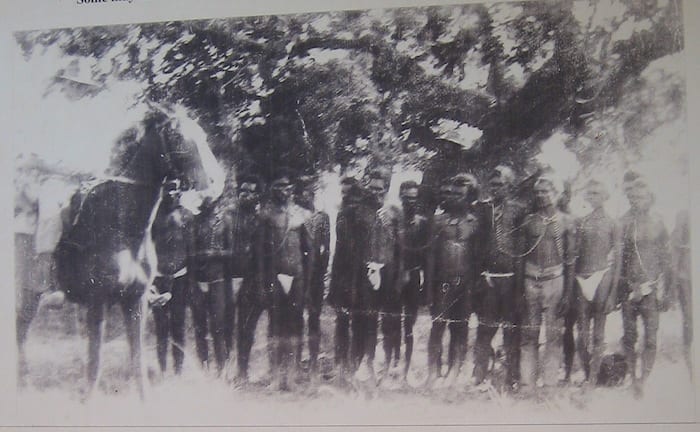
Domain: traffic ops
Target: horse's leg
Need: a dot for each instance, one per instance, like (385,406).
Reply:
(95,329)
(133,309)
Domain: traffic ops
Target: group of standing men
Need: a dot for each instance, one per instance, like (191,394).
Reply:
(237,263)
(516,266)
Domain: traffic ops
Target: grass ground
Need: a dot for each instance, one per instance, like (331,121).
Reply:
(56,353)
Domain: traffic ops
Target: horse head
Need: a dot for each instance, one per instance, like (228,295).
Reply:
(169,144)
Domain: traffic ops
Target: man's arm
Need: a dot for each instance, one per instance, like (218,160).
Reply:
(430,258)
(614,299)
(569,261)
(664,251)
(325,241)
(521,246)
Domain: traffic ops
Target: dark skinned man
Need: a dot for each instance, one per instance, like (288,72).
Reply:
(212,295)
(252,299)
(451,271)
(548,241)
(414,244)
(595,247)
(172,240)
(349,273)
(285,272)
(318,227)
(502,216)
(644,274)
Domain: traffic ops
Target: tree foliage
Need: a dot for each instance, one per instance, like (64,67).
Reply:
(314,91)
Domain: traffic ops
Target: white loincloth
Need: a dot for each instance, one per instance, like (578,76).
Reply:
(374,275)
(589,285)
(285,281)
(236,285)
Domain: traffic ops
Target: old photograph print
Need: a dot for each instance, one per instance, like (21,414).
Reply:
(435,215)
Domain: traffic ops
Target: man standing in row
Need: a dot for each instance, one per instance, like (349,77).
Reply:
(318,228)
(501,217)
(548,242)
(414,244)
(172,238)
(645,274)
(247,286)
(349,274)
(212,294)
(595,245)
(285,272)
(385,268)
(451,272)
(378,282)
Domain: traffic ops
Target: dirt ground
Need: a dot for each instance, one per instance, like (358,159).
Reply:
(56,354)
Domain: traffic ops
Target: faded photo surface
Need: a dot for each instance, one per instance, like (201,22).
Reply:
(428,215)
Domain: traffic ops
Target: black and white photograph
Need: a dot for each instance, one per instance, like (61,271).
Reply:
(428,215)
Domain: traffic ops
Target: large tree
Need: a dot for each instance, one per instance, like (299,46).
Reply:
(443,88)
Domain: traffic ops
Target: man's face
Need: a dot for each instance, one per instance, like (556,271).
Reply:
(282,190)
(377,187)
(409,198)
(499,188)
(595,196)
(445,191)
(544,194)
(461,188)
(638,195)
(345,188)
(248,194)
(306,195)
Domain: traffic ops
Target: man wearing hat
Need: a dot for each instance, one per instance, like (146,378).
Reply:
(547,240)
(501,215)
(644,273)
(451,271)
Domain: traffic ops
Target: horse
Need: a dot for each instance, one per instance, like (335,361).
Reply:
(106,256)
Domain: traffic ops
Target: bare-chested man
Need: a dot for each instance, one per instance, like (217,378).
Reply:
(349,276)
(501,216)
(383,270)
(450,275)
(595,246)
(645,273)
(285,251)
(173,242)
(414,244)
(548,241)
(318,227)
(252,300)
(211,297)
